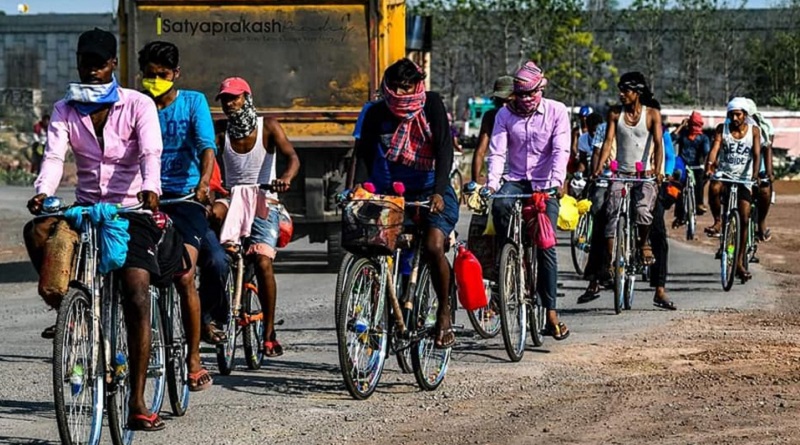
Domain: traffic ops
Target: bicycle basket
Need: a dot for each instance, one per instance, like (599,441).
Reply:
(371,226)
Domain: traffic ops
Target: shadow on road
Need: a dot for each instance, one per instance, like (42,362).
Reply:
(25,408)
(18,272)
(302,262)
(25,441)
(11,358)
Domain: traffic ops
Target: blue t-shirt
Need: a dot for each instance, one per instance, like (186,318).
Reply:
(669,153)
(186,130)
(360,120)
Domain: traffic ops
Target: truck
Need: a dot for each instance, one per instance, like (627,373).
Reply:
(312,64)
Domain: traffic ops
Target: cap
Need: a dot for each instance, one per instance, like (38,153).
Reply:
(99,42)
(503,87)
(234,86)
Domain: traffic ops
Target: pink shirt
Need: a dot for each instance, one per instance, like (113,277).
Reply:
(536,148)
(130,162)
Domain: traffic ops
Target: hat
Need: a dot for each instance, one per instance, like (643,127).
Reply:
(503,87)
(99,42)
(234,86)
(529,77)
(738,103)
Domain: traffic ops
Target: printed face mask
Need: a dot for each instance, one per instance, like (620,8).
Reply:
(157,86)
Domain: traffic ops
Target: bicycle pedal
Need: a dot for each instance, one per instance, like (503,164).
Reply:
(279,322)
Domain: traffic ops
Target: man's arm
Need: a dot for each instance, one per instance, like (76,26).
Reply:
(658,141)
(442,144)
(712,155)
(52,168)
(756,152)
(575,133)
(611,132)
(498,151)
(560,146)
(483,146)
(206,143)
(148,131)
(274,134)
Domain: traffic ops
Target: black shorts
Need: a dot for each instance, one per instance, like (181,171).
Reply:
(190,220)
(745,193)
(142,247)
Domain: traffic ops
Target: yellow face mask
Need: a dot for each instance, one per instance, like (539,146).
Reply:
(157,86)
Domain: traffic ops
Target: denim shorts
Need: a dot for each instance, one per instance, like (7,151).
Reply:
(445,220)
(264,234)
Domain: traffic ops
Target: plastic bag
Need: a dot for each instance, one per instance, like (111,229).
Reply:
(538,224)
(112,233)
(568,213)
(584,205)
(285,227)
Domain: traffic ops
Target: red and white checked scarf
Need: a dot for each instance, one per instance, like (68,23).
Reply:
(411,143)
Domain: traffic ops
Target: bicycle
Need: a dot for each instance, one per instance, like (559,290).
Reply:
(456,180)
(730,243)
(519,303)
(369,300)
(689,204)
(581,242)
(628,261)
(90,353)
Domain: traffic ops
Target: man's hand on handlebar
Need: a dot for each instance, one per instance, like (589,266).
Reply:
(35,203)
(203,193)
(281,185)
(148,199)
(437,203)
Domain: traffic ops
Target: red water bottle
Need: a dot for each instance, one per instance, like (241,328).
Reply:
(469,276)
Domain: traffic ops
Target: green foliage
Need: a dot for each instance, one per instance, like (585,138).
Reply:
(680,97)
(775,69)
(16,177)
(788,100)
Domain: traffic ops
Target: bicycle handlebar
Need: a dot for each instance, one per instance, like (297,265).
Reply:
(727,178)
(633,180)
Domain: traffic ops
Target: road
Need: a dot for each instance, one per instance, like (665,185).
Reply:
(299,398)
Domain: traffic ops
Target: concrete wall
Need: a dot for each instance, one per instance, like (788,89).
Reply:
(38,51)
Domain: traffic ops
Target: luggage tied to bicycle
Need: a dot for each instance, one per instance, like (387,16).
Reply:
(584,206)
(58,264)
(537,223)
(371,223)
(568,213)
(112,232)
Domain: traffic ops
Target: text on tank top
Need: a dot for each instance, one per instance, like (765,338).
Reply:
(257,166)
(632,142)
(736,156)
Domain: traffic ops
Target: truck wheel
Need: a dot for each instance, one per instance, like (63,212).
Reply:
(335,251)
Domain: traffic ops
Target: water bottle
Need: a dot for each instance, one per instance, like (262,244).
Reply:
(360,326)
(470,187)
(76,379)
(406,262)
(469,277)
(121,368)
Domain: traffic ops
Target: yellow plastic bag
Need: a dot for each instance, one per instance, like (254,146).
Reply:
(568,214)
(489,231)
(584,205)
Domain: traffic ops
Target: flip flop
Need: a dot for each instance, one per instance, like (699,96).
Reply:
(194,380)
(711,232)
(588,296)
(49,332)
(647,255)
(273,348)
(141,422)
(213,335)
(668,305)
(439,343)
(558,332)
(744,276)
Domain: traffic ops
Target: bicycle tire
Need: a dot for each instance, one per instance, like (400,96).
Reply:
(579,239)
(363,272)
(537,314)
(752,246)
(347,261)
(119,390)
(691,214)
(75,314)
(226,351)
(486,326)
(156,369)
(730,249)
(511,304)
(252,332)
(177,351)
(424,353)
(620,273)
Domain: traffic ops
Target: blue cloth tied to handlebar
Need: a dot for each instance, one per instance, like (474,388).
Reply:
(112,232)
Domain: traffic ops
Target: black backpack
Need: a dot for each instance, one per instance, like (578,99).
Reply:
(173,259)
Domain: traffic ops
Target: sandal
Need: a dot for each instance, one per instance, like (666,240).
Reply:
(764,237)
(744,275)
(712,232)
(273,348)
(558,332)
(213,335)
(647,255)
(142,422)
(664,304)
(676,223)
(196,377)
(445,339)
(49,332)
(589,295)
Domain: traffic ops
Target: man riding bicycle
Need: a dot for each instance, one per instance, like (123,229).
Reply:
(532,134)
(114,135)
(250,145)
(694,149)
(186,164)
(738,145)
(405,138)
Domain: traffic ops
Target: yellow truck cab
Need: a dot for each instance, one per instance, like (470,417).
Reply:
(311,64)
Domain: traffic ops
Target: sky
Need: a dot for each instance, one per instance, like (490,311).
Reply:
(99,6)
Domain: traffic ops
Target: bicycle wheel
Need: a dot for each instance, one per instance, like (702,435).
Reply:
(730,249)
(752,246)
(621,254)
(579,243)
(457,182)
(513,317)
(156,384)
(691,214)
(362,328)
(253,330)
(177,350)
(486,320)
(537,314)
(227,350)
(429,363)
(78,383)
(347,261)
(119,390)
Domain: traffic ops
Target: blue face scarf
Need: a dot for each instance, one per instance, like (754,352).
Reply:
(88,98)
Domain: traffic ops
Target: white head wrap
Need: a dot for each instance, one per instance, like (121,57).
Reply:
(738,103)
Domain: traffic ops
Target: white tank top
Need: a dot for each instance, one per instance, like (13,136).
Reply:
(736,156)
(257,166)
(632,142)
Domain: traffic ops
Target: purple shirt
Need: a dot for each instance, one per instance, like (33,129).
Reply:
(130,162)
(537,147)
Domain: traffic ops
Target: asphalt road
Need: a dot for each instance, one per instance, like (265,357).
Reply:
(299,398)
